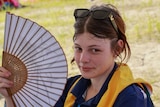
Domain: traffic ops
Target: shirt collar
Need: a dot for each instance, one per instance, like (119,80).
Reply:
(80,87)
(83,83)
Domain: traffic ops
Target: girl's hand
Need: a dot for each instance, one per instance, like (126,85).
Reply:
(4,82)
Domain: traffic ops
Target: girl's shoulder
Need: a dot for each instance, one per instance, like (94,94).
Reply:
(133,96)
(71,80)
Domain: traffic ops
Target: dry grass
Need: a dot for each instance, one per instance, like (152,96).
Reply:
(145,64)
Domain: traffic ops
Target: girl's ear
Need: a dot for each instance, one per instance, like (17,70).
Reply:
(120,44)
(119,47)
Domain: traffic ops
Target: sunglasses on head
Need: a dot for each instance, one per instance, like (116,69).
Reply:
(96,14)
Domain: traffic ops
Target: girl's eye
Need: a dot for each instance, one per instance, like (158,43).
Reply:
(77,49)
(95,50)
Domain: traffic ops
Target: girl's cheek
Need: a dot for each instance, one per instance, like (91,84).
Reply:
(76,56)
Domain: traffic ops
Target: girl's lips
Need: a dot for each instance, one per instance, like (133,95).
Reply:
(86,68)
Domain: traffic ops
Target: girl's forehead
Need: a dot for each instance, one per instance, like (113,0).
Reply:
(88,38)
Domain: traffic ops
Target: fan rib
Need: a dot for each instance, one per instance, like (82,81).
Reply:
(49,68)
(6,31)
(35,47)
(8,34)
(38,97)
(45,85)
(47,81)
(20,99)
(30,97)
(10,48)
(31,36)
(29,40)
(25,99)
(24,38)
(15,101)
(45,77)
(19,37)
(51,52)
(45,90)
(45,72)
(48,63)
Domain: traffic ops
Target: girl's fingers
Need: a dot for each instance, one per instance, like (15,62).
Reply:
(4,73)
(5,85)
(3,69)
(5,82)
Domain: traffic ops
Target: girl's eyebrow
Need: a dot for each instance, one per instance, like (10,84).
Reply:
(88,46)
(94,46)
(76,44)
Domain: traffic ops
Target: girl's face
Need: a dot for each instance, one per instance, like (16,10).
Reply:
(93,55)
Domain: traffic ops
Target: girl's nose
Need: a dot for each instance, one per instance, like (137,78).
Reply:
(84,57)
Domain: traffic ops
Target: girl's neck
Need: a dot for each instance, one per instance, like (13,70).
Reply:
(94,88)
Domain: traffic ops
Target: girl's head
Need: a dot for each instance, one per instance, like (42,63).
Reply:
(103,22)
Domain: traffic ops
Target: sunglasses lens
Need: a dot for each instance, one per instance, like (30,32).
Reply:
(99,14)
(80,13)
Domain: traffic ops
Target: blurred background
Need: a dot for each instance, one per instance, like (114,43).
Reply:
(142,20)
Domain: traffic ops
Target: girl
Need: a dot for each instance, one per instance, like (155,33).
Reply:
(99,40)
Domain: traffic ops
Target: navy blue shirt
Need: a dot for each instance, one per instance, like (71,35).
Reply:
(132,96)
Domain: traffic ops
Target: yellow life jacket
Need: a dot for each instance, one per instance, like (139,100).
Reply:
(121,78)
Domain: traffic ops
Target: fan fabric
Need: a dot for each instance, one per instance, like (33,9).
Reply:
(36,61)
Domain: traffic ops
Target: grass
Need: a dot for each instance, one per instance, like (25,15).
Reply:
(56,16)
(141,17)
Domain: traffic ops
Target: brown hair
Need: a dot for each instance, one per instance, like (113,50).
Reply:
(105,29)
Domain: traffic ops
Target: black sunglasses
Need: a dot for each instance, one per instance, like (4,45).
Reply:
(96,14)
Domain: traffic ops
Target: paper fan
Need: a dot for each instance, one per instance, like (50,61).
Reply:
(36,61)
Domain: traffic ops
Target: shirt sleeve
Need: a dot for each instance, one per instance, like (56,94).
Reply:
(133,96)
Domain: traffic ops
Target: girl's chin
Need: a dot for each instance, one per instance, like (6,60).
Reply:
(86,76)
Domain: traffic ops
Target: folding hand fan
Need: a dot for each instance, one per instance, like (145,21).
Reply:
(36,61)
